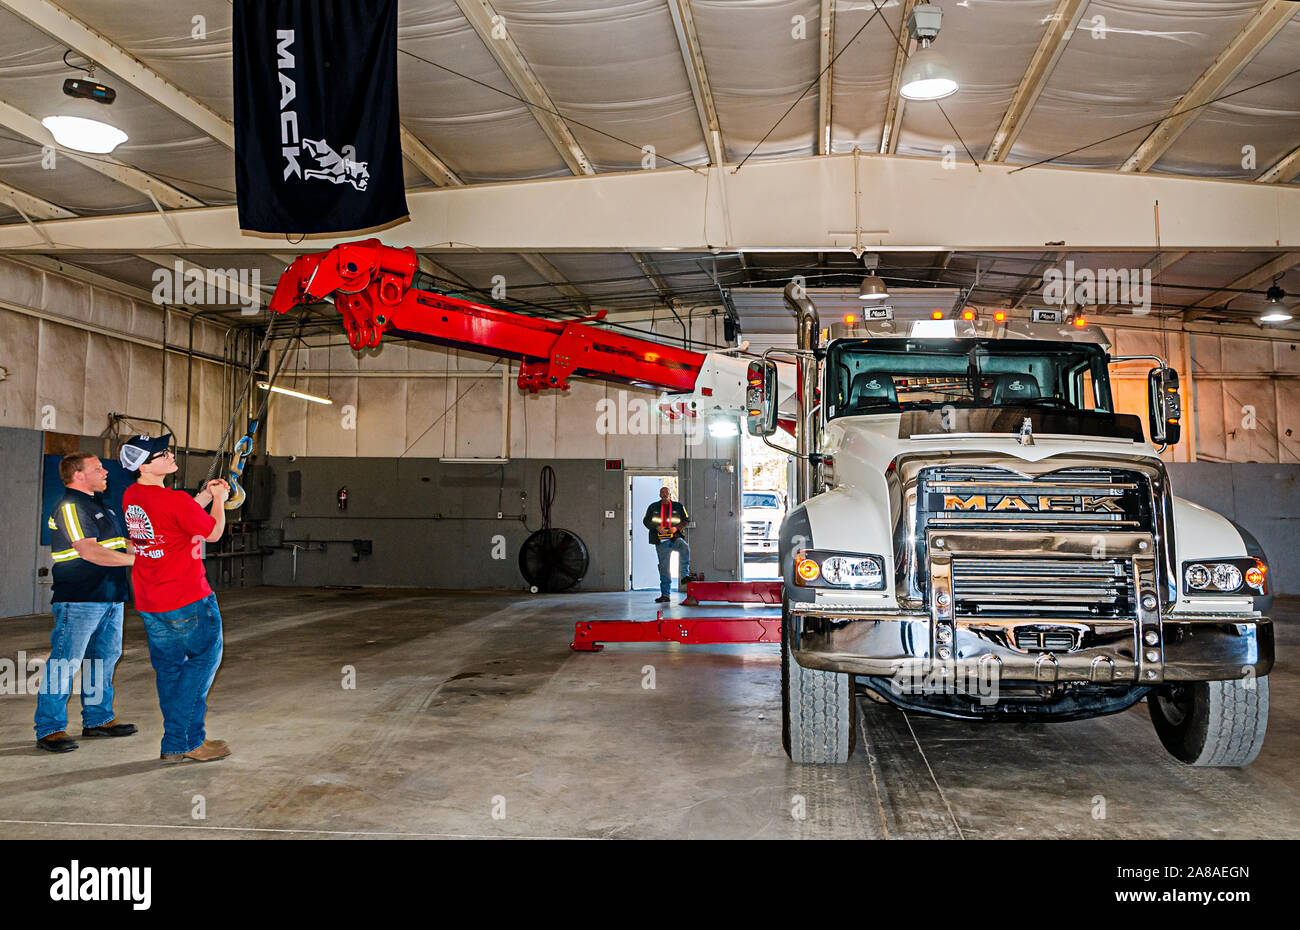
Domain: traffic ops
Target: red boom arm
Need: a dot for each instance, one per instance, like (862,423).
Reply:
(371,285)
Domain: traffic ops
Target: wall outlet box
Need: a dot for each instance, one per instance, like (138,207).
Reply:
(609,515)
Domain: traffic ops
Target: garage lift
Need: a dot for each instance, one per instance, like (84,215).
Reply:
(373,288)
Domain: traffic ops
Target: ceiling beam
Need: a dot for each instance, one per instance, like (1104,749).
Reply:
(481,14)
(895,103)
(825,85)
(26,124)
(1034,279)
(661,287)
(427,163)
(1284,171)
(789,204)
(1251,279)
(1265,23)
(555,278)
(31,206)
(1060,27)
(693,58)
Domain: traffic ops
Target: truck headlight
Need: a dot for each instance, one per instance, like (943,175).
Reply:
(821,569)
(1244,576)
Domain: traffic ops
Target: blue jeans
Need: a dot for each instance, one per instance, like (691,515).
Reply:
(82,630)
(185,648)
(665,549)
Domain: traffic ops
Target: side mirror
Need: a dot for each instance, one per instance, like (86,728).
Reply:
(760,398)
(1164,406)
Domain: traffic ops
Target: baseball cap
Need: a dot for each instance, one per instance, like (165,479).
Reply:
(138,449)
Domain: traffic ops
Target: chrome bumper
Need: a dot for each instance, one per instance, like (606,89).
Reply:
(1194,647)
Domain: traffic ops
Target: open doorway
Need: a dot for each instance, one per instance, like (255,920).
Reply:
(765,501)
(642,560)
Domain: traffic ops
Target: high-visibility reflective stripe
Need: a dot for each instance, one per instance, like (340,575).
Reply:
(71,523)
(117,542)
(52,524)
(66,555)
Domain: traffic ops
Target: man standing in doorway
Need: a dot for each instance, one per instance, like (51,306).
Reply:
(666,520)
(92,565)
(168,529)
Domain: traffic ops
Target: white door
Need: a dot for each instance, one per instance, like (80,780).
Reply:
(644,490)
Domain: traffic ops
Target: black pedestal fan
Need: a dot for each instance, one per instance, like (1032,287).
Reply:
(552,559)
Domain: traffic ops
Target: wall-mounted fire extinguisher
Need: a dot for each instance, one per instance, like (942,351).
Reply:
(343,498)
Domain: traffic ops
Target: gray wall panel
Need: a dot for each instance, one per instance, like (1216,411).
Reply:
(20,514)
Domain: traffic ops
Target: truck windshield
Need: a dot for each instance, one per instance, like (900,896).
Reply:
(753,499)
(879,375)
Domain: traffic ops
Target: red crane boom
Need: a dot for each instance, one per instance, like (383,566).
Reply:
(372,286)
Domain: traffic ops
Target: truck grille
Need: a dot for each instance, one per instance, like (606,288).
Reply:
(1010,587)
(757,529)
(1001,499)
(1081,500)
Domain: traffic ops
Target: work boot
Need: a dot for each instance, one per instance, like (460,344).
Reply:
(210,751)
(57,742)
(112,728)
(662,599)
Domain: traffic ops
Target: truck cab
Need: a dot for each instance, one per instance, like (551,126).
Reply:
(983,536)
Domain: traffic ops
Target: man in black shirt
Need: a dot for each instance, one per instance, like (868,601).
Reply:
(666,520)
(92,567)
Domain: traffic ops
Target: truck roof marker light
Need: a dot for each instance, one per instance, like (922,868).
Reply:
(807,569)
(850,319)
(968,315)
(936,314)
(1000,316)
(1079,322)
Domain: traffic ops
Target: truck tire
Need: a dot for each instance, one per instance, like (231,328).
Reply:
(818,710)
(1216,723)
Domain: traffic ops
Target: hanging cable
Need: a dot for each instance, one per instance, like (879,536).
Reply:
(546,494)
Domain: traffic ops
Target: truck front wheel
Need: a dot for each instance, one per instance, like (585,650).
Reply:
(1216,723)
(818,711)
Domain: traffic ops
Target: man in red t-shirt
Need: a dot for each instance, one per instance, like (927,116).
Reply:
(168,529)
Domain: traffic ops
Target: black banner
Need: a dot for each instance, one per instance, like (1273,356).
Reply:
(317,143)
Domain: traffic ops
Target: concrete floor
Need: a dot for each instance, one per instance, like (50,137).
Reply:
(468,705)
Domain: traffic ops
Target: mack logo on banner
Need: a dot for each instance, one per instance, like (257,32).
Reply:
(317,143)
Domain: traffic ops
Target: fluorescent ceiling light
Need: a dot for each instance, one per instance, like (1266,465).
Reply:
(84,135)
(473,461)
(926,76)
(276,389)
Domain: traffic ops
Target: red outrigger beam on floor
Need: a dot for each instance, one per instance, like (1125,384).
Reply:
(733,592)
(591,635)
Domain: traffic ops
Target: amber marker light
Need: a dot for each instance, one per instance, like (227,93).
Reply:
(936,314)
(1255,576)
(850,319)
(968,315)
(807,569)
(999,317)
(1079,322)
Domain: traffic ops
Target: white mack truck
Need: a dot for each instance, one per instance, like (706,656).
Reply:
(977,533)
